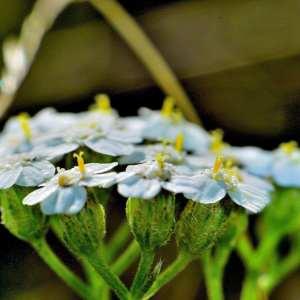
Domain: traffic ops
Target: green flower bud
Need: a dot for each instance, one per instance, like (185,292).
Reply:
(82,233)
(151,221)
(200,226)
(25,222)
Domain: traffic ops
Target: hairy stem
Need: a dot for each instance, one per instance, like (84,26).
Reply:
(142,274)
(166,276)
(108,276)
(50,258)
(213,275)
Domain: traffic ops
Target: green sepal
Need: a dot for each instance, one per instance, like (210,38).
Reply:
(25,222)
(82,233)
(200,226)
(151,221)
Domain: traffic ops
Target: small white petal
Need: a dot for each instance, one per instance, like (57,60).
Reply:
(40,194)
(9,177)
(96,168)
(109,147)
(36,173)
(250,197)
(141,188)
(101,180)
(69,200)
(209,191)
(286,172)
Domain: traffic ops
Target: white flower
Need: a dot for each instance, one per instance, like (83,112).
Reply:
(168,123)
(146,180)
(24,170)
(212,185)
(66,192)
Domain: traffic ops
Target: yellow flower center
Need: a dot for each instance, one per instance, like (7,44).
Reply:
(80,162)
(160,159)
(64,180)
(102,103)
(179,142)
(217,144)
(289,148)
(24,119)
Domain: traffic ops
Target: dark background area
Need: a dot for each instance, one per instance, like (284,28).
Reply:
(255,103)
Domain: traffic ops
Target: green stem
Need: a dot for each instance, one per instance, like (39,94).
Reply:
(282,269)
(142,274)
(245,250)
(126,259)
(146,51)
(46,253)
(118,241)
(176,267)
(213,274)
(94,279)
(108,276)
(251,289)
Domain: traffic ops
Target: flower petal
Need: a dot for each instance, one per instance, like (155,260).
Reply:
(9,177)
(286,172)
(250,197)
(69,200)
(101,180)
(140,188)
(96,168)
(36,173)
(109,147)
(209,191)
(40,195)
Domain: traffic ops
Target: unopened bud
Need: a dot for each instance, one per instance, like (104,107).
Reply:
(82,233)
(25,222)
(151,221)
(200,226)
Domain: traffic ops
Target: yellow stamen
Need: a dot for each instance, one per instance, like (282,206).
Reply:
(229,163)
(160,159)
(168,107)
(179,142)
(25,125)
(289,147)
(64,180)
(80,161)
(103,103)
(217,165)
(217,144)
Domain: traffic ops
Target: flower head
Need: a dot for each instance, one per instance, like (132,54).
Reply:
(24,170)
(212,185)
(146,180)
(66,192)
(168,123)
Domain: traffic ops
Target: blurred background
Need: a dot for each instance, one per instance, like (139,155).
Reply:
(239,61)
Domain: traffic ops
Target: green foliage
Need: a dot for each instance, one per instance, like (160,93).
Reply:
(200,226)
(151,221)
(26,223)
(282,215)
(82,233)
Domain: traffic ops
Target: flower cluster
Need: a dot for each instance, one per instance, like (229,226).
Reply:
(154,151)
